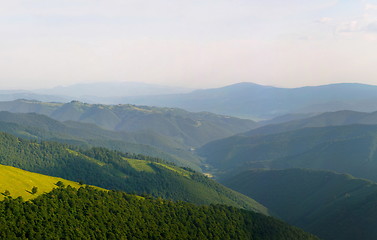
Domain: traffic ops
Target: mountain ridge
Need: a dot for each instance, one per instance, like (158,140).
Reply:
(119,171)
(262,102)
(40,127)
(347,149)
(193,128)
(325,203)
(338,118)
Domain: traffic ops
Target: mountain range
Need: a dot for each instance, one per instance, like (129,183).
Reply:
(40,127)
(302,164)
(255,101)
(100,92)
(346,149)
(308,170)
(114,170)
(118,171)
(192,129)
(338,118)
(111,90)
(247,100)
(162,132)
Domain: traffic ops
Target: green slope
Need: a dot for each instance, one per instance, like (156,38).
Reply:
(167,133)
(89,214)
(202,190)
(330,205)
(112,170)
(36,126)
(347,149)
(19,183)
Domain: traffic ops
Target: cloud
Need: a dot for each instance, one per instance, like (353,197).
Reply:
(325,20)
(370,7)
(372,27)
(352,26)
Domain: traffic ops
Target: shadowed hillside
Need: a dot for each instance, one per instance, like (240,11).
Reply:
(345,149)
(339,118)
(330,205)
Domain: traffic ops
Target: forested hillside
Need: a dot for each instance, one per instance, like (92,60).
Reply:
(41,127)
(115,170)
(330,205)
(91,214)
(346,149)
(167,133)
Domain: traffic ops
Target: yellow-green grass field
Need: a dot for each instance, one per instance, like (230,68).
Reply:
(142,165)
(20,183)
(176,169)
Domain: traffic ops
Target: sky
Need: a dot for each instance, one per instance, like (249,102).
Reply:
(187,43)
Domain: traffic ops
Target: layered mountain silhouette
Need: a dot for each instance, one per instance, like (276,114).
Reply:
(339,118)
(264,102)
(345,149)
(248,100)
(193,129)
(154,131)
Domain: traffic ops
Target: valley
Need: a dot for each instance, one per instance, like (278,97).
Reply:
(328,204)
(188,120)
(161,152)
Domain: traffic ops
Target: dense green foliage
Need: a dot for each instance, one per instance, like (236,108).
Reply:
(330,205)
(111,170)
(346,149)
(92,214)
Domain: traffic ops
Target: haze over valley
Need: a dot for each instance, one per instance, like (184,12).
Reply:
(172,153)
(184,119)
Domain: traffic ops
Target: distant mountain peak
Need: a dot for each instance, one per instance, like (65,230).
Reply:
(246,85)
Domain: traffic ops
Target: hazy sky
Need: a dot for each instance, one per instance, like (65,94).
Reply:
(193,43)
